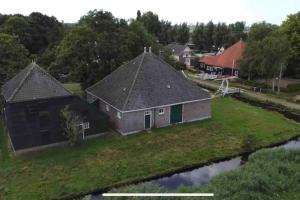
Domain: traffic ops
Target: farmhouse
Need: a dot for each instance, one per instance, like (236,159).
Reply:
(33,100)
(147,92)
(226,63)
(182,53)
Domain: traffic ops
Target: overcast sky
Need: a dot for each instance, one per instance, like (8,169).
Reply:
(176,11)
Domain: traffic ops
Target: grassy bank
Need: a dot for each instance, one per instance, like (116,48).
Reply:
(75,88)
(114,159)
(269,175)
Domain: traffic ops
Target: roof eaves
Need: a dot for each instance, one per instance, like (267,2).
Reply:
(56,81)
(20,85)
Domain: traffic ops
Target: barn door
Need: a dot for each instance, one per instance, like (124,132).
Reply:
(176,114)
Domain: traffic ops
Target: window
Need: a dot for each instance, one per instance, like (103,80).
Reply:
(119,115)
(107,108)
(147,112)
(236,73)
(161,111)
(86,125)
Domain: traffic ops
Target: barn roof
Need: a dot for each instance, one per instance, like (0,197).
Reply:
(226,59)
(31,83)
(144,82)
(178,48)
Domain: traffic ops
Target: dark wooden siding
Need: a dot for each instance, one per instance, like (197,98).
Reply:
(36,123)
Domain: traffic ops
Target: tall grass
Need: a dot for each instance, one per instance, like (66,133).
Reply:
(4,154)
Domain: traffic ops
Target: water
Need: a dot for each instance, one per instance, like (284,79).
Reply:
(201,176)
(197,177)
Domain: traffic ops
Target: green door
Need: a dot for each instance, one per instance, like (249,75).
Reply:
(176,114)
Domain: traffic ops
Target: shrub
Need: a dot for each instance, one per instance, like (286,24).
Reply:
(292,88)
(249,143)
(71,126)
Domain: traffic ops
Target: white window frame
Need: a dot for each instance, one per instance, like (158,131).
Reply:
(236,73)
(107,108)
(86,125)
(161,111)
(119,116)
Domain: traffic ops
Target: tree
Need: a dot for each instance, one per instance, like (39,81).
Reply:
(19,27)
(77,54)
(169,58)
(259,31)
(256,60)
(46,32)
(198,36)
(13,57)
(236,32)
(182,33)
(71,126)
(151,23)
(275,51)
(220,35)
(266,57)
(291,27)
(208,36)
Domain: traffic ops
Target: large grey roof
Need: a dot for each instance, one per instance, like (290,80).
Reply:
(144,82)
(177,49)
(31,83)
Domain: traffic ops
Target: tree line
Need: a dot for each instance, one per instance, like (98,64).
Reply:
(87,51)
(272,50)
(210,37)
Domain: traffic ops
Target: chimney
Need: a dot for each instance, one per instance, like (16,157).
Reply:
(150,50)
(145,49)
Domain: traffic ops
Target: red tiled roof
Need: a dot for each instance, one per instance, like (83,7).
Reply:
(225,60)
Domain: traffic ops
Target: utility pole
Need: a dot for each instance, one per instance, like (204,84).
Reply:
(232,67)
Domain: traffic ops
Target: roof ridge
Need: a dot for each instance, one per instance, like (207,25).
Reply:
(51,77)
(134,80)
(123,65)
(21,83)
(170,66)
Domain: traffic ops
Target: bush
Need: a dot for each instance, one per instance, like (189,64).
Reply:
(71,126)
(249,143)
(292,88)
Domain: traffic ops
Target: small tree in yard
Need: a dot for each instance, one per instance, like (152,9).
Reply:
(70,125)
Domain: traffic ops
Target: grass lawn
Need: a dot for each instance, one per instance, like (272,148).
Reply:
(75,88)
(115,159)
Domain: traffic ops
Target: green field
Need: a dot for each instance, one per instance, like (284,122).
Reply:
(75,88)
(114,159)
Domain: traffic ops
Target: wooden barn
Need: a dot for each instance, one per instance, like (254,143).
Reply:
(33,100)
(225,63)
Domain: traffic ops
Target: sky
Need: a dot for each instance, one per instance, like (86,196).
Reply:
(176,11)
